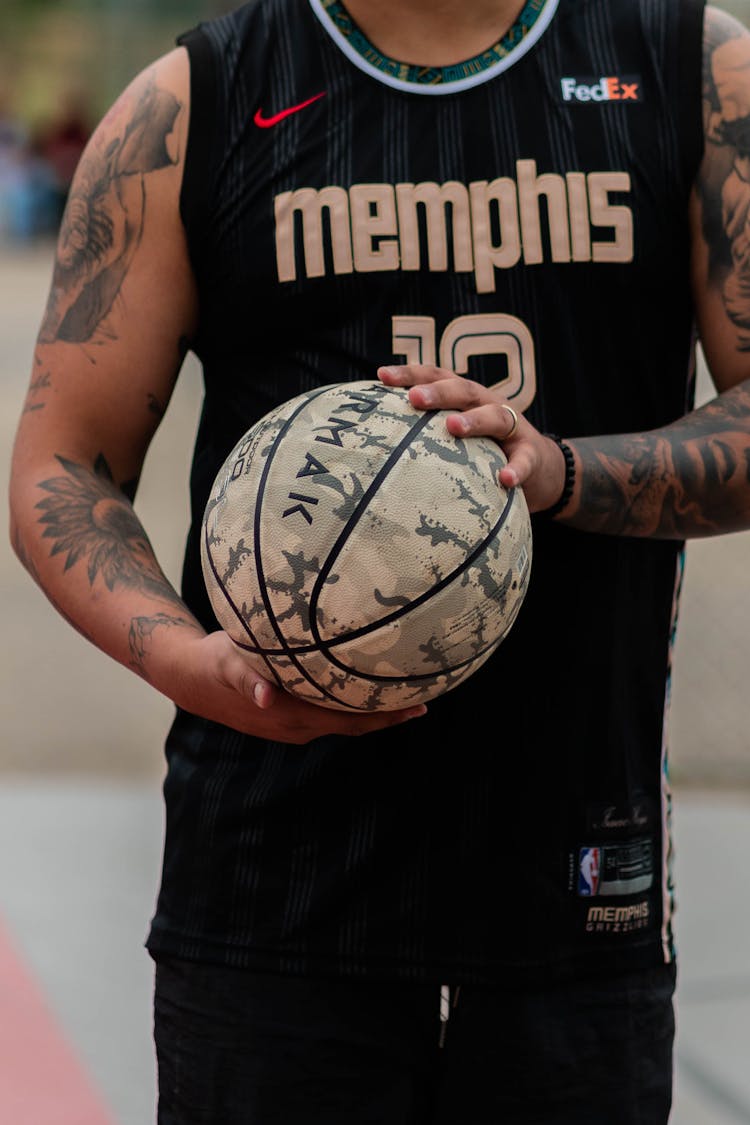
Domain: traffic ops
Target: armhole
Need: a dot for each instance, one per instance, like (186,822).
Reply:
(690,87)
(194,193)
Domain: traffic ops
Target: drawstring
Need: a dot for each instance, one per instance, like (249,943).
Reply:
(445,1009)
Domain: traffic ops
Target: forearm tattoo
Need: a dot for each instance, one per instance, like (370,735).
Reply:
(142,630)
(103,222)
(690,479)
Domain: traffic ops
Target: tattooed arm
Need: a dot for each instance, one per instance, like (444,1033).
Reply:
(691,478)
(121,309)
(109,347)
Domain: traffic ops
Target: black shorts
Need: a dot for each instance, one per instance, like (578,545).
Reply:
(239,1048)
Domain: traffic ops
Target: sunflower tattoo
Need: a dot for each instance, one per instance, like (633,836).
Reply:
(87,517)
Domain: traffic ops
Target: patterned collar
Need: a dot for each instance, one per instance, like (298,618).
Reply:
(532,21)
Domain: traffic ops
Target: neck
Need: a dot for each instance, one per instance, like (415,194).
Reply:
(434,32)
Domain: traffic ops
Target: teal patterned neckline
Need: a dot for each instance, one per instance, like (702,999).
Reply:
(433,75)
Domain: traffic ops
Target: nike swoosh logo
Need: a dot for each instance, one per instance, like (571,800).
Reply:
(268,122)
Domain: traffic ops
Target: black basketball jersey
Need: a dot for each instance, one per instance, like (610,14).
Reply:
(521,219)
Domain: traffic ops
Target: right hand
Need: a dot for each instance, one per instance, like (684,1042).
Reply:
(215,681)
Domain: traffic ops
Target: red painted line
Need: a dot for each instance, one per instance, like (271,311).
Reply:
(41,1080)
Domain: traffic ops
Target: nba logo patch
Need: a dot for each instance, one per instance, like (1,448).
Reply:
(589,864)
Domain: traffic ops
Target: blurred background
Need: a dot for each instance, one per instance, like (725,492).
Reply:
(81,738)
(62,63)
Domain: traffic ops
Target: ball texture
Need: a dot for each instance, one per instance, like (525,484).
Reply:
(359,554)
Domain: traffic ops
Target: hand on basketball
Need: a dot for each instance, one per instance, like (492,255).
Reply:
(216,682)
(535,463)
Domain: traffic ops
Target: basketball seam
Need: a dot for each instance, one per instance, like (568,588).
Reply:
(230,601)
(285,648)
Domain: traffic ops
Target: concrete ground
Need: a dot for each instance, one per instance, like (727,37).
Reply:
(81,822)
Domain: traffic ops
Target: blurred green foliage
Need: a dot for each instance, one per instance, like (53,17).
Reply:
(87,50)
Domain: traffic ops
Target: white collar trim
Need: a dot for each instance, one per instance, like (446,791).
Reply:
(441,88)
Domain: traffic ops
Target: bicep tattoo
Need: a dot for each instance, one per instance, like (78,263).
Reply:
(41,382)
(724,181)
(103,222)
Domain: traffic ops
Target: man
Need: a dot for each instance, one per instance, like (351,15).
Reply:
(519,194)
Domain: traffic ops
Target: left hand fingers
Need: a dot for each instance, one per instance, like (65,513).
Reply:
(534,462)
(411,374)
(495,419)
(435,388)
(483,411)
(510,429)
(424,382)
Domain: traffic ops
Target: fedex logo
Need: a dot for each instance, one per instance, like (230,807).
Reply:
(625,89)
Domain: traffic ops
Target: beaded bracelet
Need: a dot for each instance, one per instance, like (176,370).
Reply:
(570,478)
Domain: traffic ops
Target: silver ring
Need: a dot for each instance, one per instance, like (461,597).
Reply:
(514,416)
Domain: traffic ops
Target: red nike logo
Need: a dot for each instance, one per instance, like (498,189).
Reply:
(267,122)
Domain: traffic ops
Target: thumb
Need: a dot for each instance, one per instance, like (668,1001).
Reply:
(240,675)
(519,467)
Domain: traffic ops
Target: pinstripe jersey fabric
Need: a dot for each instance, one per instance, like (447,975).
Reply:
(517,831)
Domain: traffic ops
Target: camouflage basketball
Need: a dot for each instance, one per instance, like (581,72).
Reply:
(359,554)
